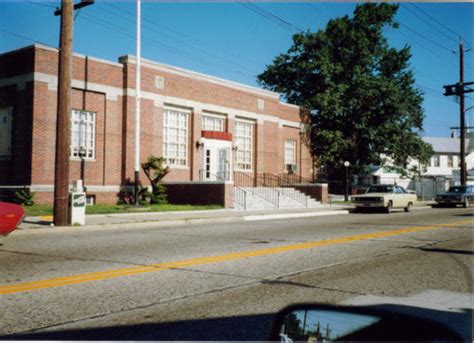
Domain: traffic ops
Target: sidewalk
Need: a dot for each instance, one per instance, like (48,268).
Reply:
(184,218)
(178,218)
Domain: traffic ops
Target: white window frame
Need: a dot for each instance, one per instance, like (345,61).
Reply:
(176,137)
(243,138)
(83,147)
(289,142)
(9,130)
(212,122)
(436,161)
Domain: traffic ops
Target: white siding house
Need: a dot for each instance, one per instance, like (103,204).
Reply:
(442,171)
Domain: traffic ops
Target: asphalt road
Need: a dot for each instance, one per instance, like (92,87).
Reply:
(222,281)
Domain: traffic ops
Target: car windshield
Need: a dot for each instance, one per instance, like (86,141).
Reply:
(458,189)
(380,189)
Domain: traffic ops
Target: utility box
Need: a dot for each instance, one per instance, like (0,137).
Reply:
(77,204)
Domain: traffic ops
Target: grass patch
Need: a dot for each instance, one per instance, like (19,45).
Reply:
(47,210)
(38,210)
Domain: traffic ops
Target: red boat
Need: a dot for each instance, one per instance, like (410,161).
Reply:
(11,215)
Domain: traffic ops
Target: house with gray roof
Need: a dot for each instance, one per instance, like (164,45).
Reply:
(442,171)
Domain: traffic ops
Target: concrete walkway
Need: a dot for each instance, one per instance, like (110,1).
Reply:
(182,218)
(178,218)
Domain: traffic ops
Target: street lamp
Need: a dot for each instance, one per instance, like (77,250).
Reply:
(346,196)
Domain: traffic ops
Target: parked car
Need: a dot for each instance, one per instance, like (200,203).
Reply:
(11,215)
(456,195)
(387,197)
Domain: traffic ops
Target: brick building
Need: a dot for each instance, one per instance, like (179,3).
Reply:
(208,129)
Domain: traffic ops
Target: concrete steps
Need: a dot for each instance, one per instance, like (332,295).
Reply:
(260,198)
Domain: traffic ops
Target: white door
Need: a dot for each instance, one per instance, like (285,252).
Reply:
(223,168)
(216,163)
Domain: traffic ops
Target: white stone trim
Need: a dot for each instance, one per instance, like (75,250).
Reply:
(96,59)
(197,76)
(198,182)
(159,100)
(291,124)
(50,188)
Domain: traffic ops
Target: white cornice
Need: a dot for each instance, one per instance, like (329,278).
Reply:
(198,76)
(159,100)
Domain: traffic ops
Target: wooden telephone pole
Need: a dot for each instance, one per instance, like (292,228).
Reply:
(460,89)
(61,174)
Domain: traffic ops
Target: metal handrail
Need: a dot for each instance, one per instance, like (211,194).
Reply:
(241,194)
(272,180)
(269,194)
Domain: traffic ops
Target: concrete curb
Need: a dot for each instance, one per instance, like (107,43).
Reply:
(176,222)
(294,215)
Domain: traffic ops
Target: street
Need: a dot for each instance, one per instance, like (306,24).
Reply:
(222,281)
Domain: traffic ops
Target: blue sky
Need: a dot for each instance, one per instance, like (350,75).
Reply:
(232,41)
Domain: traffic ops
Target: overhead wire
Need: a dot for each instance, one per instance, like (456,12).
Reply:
(270,16)
(178,34)
(405,7)
(456,34)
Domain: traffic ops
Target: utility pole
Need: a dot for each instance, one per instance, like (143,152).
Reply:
(61,173)
(462,114)
(460,89)
(137,107)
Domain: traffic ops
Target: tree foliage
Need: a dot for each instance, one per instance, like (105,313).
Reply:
(155,171)
(360,92)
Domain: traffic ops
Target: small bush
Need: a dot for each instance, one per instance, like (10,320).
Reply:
(25,197)
(127,196)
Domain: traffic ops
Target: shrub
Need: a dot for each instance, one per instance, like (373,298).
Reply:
(25,197)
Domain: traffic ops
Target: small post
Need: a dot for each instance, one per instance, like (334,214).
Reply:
(346,196)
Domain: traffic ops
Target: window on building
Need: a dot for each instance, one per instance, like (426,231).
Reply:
(450,161)
(435,161)
(290,151)
(212,123)
(5,133)
(175,138)
(82,134)
(244,143)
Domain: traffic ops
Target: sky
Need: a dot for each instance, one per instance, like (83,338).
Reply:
(236,40)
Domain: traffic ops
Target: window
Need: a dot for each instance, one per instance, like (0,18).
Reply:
(290,151)
(212,123)
(244,143)
(82,135)
(175,138)
(5,133)
(450,161)
(435,161)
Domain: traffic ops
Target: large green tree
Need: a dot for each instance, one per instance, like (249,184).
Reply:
(359,91)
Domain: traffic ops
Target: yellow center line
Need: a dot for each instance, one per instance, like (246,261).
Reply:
(109,274)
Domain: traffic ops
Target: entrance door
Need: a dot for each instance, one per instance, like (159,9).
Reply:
(216,163)
(223,164)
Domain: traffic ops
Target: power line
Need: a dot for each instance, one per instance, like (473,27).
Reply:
(270,16)
(428,23)
(220,59)
(457,35)
(426,38)
(151,41)
(180,35)
(24,37)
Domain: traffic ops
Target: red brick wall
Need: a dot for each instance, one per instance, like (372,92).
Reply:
(35,118)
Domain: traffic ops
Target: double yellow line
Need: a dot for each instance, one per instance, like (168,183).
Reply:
(109,274)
